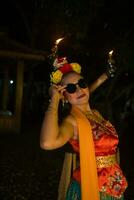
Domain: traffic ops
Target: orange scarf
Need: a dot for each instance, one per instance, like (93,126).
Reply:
(89,178)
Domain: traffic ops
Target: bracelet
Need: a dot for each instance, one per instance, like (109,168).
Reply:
(51,109)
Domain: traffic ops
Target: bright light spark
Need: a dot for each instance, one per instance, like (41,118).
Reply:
(110,53)
(11,81)
(58,41)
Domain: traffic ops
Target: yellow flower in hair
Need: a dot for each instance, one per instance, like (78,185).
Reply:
(56,76)
(76,67)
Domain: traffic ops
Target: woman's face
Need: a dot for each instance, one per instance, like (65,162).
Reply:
(81,95)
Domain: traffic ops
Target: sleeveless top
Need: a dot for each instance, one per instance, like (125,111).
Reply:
(110,178)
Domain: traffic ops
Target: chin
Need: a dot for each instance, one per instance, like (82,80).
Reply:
(82,101)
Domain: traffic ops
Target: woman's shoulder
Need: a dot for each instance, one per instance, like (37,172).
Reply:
(70,119)
(69,126)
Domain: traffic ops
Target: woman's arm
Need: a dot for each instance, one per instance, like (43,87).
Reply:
(52,135)
(98,82)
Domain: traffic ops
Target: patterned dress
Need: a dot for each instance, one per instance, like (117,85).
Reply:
(112,182)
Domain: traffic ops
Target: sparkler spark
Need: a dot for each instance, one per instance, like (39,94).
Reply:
(58,41)
(110,53)
(54,49)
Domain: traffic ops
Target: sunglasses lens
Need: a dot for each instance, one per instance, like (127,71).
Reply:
(82,83)
(71,88)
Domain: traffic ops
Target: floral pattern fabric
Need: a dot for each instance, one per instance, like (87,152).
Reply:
(111,179)
(73,193)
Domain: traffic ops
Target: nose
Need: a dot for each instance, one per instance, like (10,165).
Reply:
(78,87)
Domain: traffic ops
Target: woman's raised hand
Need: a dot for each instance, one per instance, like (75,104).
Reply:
(56,91)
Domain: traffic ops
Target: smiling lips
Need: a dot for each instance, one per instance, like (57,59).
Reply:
(81,96)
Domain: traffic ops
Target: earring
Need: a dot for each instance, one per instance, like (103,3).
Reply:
(64,101)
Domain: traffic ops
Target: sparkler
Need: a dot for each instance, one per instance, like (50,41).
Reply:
(54,51)
(111,69)
(110,57)
(55,48)
(111,53)
(58,41)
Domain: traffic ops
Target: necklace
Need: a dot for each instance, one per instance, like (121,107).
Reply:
(93,116)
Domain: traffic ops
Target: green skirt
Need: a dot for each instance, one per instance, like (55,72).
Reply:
(74,193)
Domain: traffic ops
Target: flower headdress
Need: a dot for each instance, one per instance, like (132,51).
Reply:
(61,66)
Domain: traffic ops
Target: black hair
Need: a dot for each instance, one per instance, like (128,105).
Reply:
(63,111)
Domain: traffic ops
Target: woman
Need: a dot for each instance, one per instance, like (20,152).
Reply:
(91,136)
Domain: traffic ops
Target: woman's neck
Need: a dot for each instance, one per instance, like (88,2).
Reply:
(84,108)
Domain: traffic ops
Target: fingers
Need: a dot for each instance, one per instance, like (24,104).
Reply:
(61,88)
(57,89)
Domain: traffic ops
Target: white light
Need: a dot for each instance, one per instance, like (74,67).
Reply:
(11,81)
(110,53)
(58,41)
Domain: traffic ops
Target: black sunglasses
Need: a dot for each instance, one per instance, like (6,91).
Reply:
(71,87)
